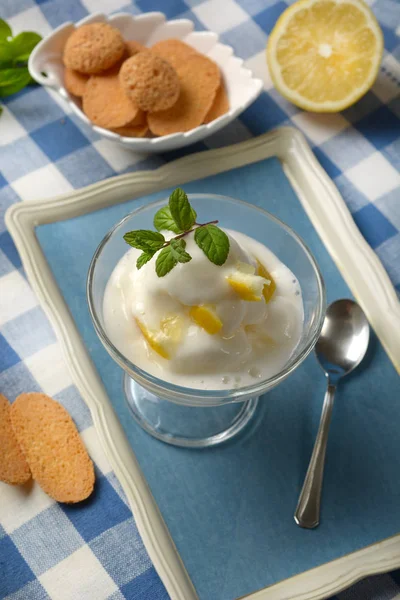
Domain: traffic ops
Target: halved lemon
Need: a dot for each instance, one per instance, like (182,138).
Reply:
(207,318)
(323,55)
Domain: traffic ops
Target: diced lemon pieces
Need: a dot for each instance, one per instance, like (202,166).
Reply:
(172,328)
(251,285)
(245,268)
(248,287)
(206,317)
(154,340)
(268,289)
(323,55)
(165,339)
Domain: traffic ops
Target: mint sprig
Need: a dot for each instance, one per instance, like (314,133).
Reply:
(180,218)
(14,55)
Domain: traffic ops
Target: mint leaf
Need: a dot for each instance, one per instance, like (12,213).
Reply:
(13,80)
(6,55)
(163,221)
(5,30)
(214,242)
(14,55)
(165,261)
(23,44)
(21,61)
(9,76)
(144,258)
(181,211)
(146,240)
(178,251)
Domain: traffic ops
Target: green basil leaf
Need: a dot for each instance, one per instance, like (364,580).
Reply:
(13,80)
(179,252)
(214,242)
(144,258)
(145,240)
(5,30)
(181,211)
(163,221)
(24,43)
(165,262)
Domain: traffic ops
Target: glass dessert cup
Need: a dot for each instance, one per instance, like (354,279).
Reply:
(199,418)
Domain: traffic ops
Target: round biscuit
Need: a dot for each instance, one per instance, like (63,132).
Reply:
(106,104)
(200,79)
(75,82)
(93,48)
(53,448)
(13,466)
(150,81)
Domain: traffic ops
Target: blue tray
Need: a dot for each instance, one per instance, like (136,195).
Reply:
(230,509)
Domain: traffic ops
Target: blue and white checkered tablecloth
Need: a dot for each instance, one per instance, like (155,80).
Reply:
(93,551)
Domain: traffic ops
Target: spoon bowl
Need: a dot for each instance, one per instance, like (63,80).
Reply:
(344,339)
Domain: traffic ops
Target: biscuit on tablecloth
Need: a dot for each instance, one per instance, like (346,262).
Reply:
(13,467)
(55,453)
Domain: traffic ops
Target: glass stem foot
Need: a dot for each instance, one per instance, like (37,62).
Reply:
(187,426)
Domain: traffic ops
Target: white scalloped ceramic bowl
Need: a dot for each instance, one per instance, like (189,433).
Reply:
(46,67)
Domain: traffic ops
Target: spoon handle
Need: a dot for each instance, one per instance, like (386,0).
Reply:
(308,507)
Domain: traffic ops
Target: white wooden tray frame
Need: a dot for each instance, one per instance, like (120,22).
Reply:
(359,265)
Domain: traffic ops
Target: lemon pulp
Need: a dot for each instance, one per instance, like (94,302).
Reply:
(323,55)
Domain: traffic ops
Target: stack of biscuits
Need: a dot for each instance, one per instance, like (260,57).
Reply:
(137,91)
(39,440)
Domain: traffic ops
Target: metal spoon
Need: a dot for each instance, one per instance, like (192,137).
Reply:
(340,349)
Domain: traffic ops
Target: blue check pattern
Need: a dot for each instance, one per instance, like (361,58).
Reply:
(93,551)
